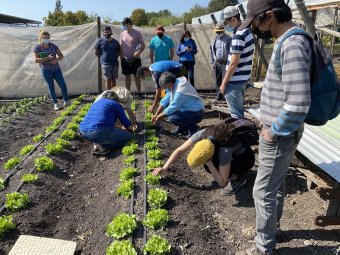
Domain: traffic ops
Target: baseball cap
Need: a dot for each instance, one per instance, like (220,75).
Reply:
(124,95)
(255,7)
(127,20)
(107,28)
(230,11)
(159,28)
(201,153)
(219,27)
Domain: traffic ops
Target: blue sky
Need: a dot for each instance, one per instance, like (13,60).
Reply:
(116,10)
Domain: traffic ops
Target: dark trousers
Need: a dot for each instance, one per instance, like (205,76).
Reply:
(189,65)
(219,71)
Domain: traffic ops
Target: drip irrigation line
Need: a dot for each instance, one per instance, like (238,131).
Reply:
(145,186)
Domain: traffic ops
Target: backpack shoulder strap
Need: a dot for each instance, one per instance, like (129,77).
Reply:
(277,58)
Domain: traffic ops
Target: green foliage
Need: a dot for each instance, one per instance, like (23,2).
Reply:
(44,164)
(6,223)
(54,149)
(157,198)
(2,184)
(151,145)
(16,201)
(157,218)
(152,138)
(63,143)
(68,135)
(50,129)
(58,121)
(133,105)
(124,247)
(154,154)
(129,149)
(126,188)
(157,245)
(27,149)
(138,17)
(127,174)
(77,119)
(147,104)
(73,126)
(148,116)
(11,163)
(152,164)
(149,125)
(122,225)
(130,160)
(38,138)
(29,178)
(152,180)
(217,5)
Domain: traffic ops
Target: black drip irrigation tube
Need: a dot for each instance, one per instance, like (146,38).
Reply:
(145,209)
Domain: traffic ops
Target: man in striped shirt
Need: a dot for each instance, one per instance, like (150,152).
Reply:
(284,105)
(239,63)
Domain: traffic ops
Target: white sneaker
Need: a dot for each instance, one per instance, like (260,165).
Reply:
(56,107)
(66,103)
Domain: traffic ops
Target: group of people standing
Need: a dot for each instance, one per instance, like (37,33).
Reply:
(285,102)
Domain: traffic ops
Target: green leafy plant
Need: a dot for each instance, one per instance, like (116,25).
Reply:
(63,143)
(58,121)
(54,148)
(149,125)
(157,245)
(29,178)
(121,225)
(129,149)
(38,138)
(127,173)
(151,145)
(50,129)
(147,104)
(27,149)
(12,163)
(2,184)
(133,105)
(152,138)
(157,218)
(130,160)
(44,164)
(16,201)
(124,247)
(148,116)
(73,126)
(68,135)
(152,164)
(155,153)
(126,188)
(77,119)
(6,223)
(152,180)
(157,198)
(150,132)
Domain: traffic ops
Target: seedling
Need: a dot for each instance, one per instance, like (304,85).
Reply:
(6,223)
(2,184)
(63,143)
(148,116)
(12,163)
(154,154)
(77,119)
(149,125)
(38,138)
(16,201)
(58,121)
(27,149)
(130,160)
(129,149)
(73,126)
(54,149)
(151,145)
(29,178)
(152,164)
(44,164)
(122,225)
(121,247)
(152,180)
(50,129)
(68,135)
(126,188)
(157,245)
(157,218)
(150,132)
(152,138)
(127,174)
(157,198)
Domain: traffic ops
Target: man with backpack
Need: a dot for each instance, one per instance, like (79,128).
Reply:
(285,102)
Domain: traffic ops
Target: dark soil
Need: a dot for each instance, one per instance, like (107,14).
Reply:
(78,200)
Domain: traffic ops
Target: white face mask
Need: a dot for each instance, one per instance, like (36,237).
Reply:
(229,28)
(45,41)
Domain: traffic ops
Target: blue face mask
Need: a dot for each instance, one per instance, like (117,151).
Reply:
(186,39)
(125,27)
(229,28)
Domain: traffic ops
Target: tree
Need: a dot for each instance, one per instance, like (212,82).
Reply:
(58,6)
(217,5)
(139,18)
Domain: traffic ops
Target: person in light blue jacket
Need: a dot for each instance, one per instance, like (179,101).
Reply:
(181,105)
(186,50)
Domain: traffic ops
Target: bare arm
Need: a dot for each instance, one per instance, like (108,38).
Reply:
(38,59)
(235,58)
(156,100)
(96,52)
(141,49)
(174,156)
(221,175)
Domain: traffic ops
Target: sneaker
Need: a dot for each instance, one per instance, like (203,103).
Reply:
(95,152)
(253,250)
(233,186)
(66,103)
(56,107)
(250,232)
(139,96)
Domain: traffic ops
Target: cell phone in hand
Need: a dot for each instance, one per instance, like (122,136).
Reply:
(189,46)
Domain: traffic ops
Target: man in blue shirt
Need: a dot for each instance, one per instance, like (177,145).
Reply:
(155,70)
(108,50)
(181,104)
(161,46)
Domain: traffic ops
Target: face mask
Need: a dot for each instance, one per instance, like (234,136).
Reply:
(186,39)
(229,28)
(125,27)
(107,36)
(220,35)
(263,34)
(160,35)
(45,41)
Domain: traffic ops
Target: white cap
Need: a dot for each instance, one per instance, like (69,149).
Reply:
(230,11)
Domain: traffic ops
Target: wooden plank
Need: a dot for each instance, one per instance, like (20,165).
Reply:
(328,31)
(313,177)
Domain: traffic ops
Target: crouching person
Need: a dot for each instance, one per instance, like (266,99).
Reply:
(221,152)
(181,105)
(101,125)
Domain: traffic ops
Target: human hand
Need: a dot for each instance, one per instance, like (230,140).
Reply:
(152,107)
(136,55)
(50,57)
(134,127)
(54,61)
(265,134)
(159,170)
(222,89)
(155,119)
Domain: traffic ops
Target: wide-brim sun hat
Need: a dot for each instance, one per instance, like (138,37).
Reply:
(219,27)
(124,95)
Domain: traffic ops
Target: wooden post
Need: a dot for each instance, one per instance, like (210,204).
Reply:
(213,18)
(184,26)
(259,61)
(100,90)
(307,20)
(335,28)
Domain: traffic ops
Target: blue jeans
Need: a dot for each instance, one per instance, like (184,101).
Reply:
(269,188)
(109,137)
(189,65)
(50,76)
(234,95)
(186,120)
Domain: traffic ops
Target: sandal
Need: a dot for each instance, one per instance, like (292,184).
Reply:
(100,153)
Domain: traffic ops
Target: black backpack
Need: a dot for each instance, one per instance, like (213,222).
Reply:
(243,130)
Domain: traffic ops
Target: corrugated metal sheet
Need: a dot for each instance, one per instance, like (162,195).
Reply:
(321,145)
